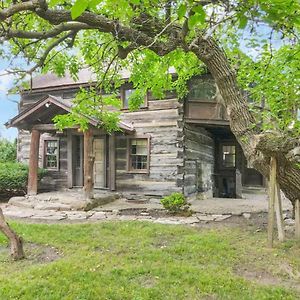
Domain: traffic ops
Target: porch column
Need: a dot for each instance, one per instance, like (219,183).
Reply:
(112,161)
(88,162)
(33,162)
(69,158)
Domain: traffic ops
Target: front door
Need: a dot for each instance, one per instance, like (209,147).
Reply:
(99,163)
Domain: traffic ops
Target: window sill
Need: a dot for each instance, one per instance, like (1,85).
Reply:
(128,110)
(138,172)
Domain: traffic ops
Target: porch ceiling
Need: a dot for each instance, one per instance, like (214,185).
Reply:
(43,111)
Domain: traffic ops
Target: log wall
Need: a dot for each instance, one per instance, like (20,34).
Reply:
(198,160)
(162,122)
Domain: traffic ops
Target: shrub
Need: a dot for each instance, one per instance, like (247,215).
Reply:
(8,150)
(14,177)
(174,203)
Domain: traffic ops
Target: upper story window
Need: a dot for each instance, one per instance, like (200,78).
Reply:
(138,155)
(125,95)
(202,90)
(228,156)
(51,154)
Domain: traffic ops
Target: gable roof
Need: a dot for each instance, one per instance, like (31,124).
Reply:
(64,104)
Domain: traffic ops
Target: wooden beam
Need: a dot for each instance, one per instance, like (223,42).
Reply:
(88,162)
(297,219)
(272,195)
(70,158)
(112,161)
(44,127)
(279,215)
(33,162)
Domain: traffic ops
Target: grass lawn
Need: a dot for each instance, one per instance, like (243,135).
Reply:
(136,260)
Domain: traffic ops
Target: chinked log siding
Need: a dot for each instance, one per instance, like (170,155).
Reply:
(199,160)
(161,122)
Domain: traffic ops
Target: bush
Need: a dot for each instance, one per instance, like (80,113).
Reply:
(174,203)
(14,177)
(8,151)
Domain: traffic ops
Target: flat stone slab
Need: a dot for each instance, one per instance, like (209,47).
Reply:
(76,215)
(18,214)
(52,206)
(54,217)
(99,215)
(205,218)
(219,218)
(167,221)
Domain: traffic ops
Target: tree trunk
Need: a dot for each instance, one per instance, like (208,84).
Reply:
(16,244)
(258,147)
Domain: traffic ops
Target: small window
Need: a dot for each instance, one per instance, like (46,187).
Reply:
(202,90)
(138,154)
(228,156)
(51,154)
(125,95)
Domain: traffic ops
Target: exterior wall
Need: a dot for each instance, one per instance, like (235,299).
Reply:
(161,120)
(198,161)
(162,123)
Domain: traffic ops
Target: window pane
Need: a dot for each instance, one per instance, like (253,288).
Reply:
(51,154)
(127,93)
(228,156)
(139,154)
(202,90)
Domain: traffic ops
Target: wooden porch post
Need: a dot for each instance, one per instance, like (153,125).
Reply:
(69,158)
(112,161)
(33,162)
(88,161)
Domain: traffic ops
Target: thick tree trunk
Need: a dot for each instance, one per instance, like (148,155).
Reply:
(258,147)
(16,244)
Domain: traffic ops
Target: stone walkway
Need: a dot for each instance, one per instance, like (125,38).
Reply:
(48,209)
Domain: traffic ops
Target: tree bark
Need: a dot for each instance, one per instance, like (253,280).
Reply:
(16,244)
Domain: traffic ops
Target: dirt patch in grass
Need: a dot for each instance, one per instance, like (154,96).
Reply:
(147,281)
(36,253)
(263,277)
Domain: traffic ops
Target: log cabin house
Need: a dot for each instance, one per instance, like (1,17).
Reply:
(166,146)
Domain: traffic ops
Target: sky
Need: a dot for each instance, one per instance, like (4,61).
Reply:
(8,106)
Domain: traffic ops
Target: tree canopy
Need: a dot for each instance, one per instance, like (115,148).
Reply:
(251,48)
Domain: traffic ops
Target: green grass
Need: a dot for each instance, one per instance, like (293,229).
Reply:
(135,260)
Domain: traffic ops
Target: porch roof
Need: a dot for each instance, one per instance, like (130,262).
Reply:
(45,109)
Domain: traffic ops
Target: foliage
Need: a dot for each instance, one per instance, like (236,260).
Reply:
(241,27)
(14,177)
(139,260)
(8,150)
(175,203)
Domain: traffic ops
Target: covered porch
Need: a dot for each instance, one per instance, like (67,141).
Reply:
(77,159)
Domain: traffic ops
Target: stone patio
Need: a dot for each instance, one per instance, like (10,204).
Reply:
(71,207)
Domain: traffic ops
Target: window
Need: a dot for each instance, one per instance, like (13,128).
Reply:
(125,95)
(202,90)
(228,156)
(138,159)
(51,154)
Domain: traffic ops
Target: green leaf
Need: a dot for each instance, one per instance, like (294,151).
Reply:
(195,19)
(200,13)
(243,22)
(78,8)
(181,11)
(53,2)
